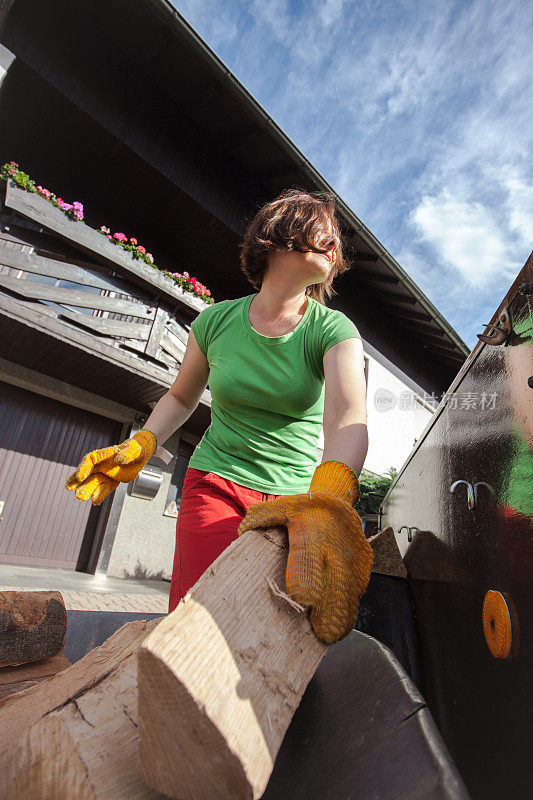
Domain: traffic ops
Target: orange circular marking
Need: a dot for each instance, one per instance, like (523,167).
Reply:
(500,624)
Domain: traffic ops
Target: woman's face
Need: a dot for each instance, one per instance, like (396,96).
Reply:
(308,267)
(299,269)
(318,265)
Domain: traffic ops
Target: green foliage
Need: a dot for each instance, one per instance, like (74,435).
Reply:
(22,178)
(372,490)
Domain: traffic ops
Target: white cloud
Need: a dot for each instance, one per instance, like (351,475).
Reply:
(465,236)
(520,204)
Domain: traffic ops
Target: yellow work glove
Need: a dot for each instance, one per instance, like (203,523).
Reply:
(101,471)
(329,562)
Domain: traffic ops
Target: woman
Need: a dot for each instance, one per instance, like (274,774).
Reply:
(279,365)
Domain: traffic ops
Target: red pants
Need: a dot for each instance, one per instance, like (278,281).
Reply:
(210,512)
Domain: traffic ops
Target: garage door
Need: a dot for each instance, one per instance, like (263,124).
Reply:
(41,443)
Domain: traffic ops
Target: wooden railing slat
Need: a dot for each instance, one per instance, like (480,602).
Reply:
(109,327)
(72,297)
(170,347)
(178,330)
(42,265)
(156,332)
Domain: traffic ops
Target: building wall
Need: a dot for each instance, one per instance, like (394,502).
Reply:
(397,415)
(144,541)
(144,536)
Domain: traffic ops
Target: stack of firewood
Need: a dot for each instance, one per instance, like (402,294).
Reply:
(193,706)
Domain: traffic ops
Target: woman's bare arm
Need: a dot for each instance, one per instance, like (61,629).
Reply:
(177,405)
(345,417)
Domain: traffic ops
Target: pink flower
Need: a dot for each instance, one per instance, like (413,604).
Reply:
(185,274)
(44,192)
(150,257)
(133,241)
(109,237)
(104,229)
(141,249)
(120,237)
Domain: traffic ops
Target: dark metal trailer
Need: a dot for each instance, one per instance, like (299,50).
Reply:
(462,511)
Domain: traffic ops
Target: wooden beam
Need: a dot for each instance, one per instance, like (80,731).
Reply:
(178,330)
(393,297)
(73,297)
(428,331)
(47,265)
(44,385)
(173,346)
(156,332)
(457,360)
(368,257)
(375,277)
(406,313)
(106,326)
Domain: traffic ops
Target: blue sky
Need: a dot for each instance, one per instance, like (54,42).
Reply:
(420,116)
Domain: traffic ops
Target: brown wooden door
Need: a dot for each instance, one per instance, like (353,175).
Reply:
(41,443)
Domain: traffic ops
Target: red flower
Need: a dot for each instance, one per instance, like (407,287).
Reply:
(141,249)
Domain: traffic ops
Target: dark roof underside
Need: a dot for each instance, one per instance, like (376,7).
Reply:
(136,117)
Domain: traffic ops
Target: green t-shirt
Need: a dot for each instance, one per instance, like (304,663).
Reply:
(267,395)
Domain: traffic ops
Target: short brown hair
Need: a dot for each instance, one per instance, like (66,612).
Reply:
(295,220)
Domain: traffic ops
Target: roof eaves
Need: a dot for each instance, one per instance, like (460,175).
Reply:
(176,22)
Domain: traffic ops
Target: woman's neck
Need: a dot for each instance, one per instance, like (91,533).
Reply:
(273,303)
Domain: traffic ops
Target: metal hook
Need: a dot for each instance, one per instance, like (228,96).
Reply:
(499,333)
(476,490)
(470,498)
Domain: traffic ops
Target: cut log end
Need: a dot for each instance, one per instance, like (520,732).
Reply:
(33,625)
(174,728)
(221,677)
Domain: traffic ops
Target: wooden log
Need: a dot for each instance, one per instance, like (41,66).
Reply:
(387,557)
(221,677)
(75,735)
(16,679)
(33,625)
